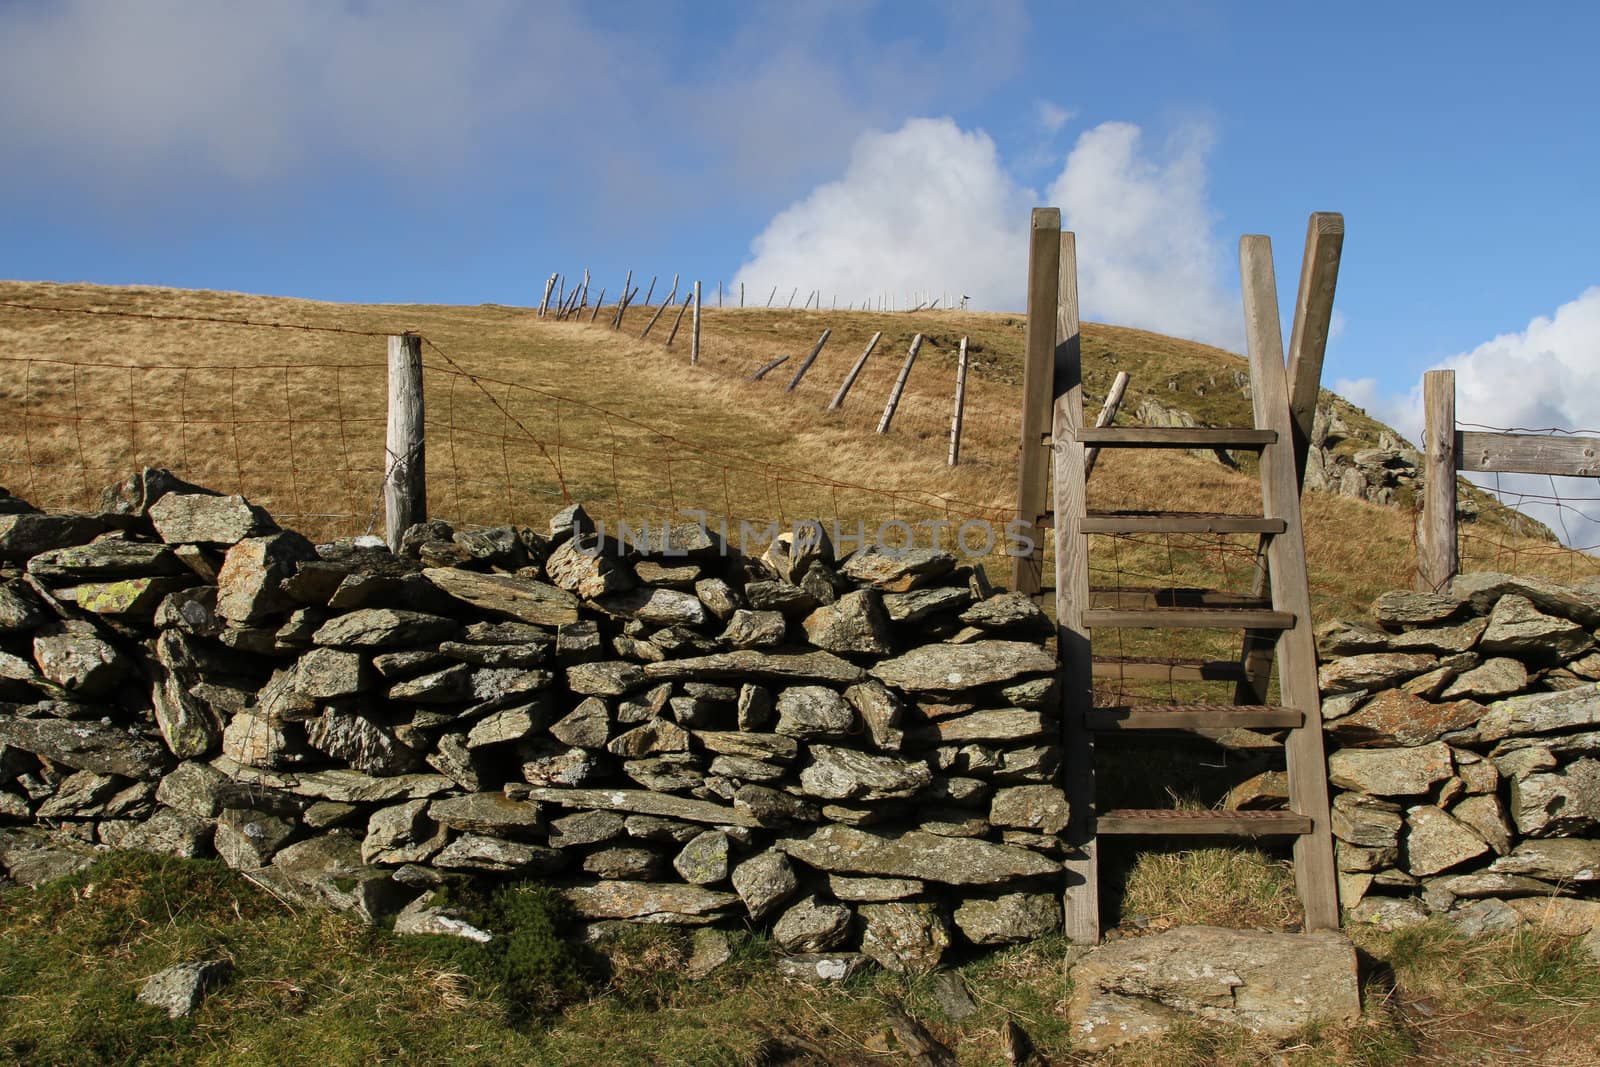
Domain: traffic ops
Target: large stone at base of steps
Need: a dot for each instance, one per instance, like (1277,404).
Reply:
(1271,983)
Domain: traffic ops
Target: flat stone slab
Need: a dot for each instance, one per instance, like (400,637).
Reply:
(749,665)
(522,599)
(642,802)
(915,854)
(946,668)
(1268,982)
(648,902)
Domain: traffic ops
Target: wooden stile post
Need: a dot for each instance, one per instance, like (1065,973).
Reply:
(961,399)
(850,379)
(673,333)
(1438,557)
(1108,414)
(1038,372)
(899,385)
(694,345)
(816,349)
(405,479)
(544,304)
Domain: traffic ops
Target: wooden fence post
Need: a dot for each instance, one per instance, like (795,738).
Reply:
(767,368)
(719,294)
(544,304)
(405,479)
(961,399)
(597,304)
(673,333)
(1437,552)
(741,294)
(1038,383)
(694,344)
(561,293)
(622,305)
(1108,412)
(810,359)
(899,385)
(771,295)
(648,293)
(850,379)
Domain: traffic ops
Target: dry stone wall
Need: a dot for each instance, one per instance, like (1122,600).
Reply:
(858,753)
(1464,732)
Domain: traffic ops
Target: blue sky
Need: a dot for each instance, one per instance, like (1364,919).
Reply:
(460,153)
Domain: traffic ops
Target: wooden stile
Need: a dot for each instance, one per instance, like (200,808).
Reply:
(405,479)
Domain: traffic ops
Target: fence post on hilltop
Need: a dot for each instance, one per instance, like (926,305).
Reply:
(694,344)
(544,304)
(1108,412)
(405,482)
(719,294)
(681,309)
(961,399)
(597,303)
(622,305)
(899,385)
(648,293)
(810,359)
(561,293)
(741,294)
(1438,557)
(771,295)
(850,379)
(792,294)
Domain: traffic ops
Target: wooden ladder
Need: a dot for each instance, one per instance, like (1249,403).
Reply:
(1281,610)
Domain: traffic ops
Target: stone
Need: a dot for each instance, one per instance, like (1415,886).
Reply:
(898,569)
(327,871)
(165,833)
(999,724)
(743,769)
(1388,913)
(1497,677)
(102,560)
(1030,807)
(490,813)
(402,833)
(823,966)
(452,685)
(1567,918)
(80,795)
(1540,713)
(1014,612)
(772,807)
(1363,820)
(843,774)
(718,597)
(1482,590)
(1445,639)
(855,623)
(1372,671)
(586,726)
(1518,763)
(1518,628)
(812,712)
(330,673)
(812,926)
(202,518)
(915,854)
(1406,609)
(1270,983)
(754,707)
(1485,918)
(1395,717)
(19,613)
(1562,859)
(1354,859)
(87,746)
(755,629)
(510,724)
(347,786)
(906,937)
(585,828)
(1563,804)
(1266,791)
(247,840)
(750,745)
(1390,772)
(252,572)
(1485,816)
(1436,842)
(752,666)
(181,989)
(26,534)
(710,950)
(704,860)
(1337,707)
(506,595)
(420,918)
(881,710)
(944,667)
(607,679)
(643,802)
(786,599)
(543,766)
(1341,637)
(919,604)
(385,628)
(255,741)
(494,855)
(1486,884)
(655,736)
(764,882)
(81,662)
(192,788)
(395,666)
(451,757)
(353,737)
(657,607)
(648,903)
(1009,919)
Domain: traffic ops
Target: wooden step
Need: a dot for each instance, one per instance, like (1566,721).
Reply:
(1137,669)
(1192,717)
(1161,822)
(1133,522)
(1242,437)
(1189,618)
(1129,596)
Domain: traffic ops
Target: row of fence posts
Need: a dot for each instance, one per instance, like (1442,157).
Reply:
(556,285)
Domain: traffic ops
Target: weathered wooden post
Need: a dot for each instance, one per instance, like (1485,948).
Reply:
(1108,412)
(673,333)
(648,293)
(850,379)
(1038,400)
(899,385)
(961,399)
(767,368)
(741,294)
(597,303)
(544,304)
(694,344)
(810,359)
(405,481)
(622,305)
(1438,557)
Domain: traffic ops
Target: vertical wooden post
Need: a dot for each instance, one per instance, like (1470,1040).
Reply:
(1438,557)
(544,304)
(1038,371)
(741,294)
(961,399)
(405,478)
(1305,759)
(694,344)
(899,385)
(719,294)
(681,309)
(1108,412)
(816,349)
(1064,391)
(584,302)
(850,379)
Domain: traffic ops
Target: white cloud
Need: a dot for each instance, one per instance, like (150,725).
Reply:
(1051,117)
(932,207)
